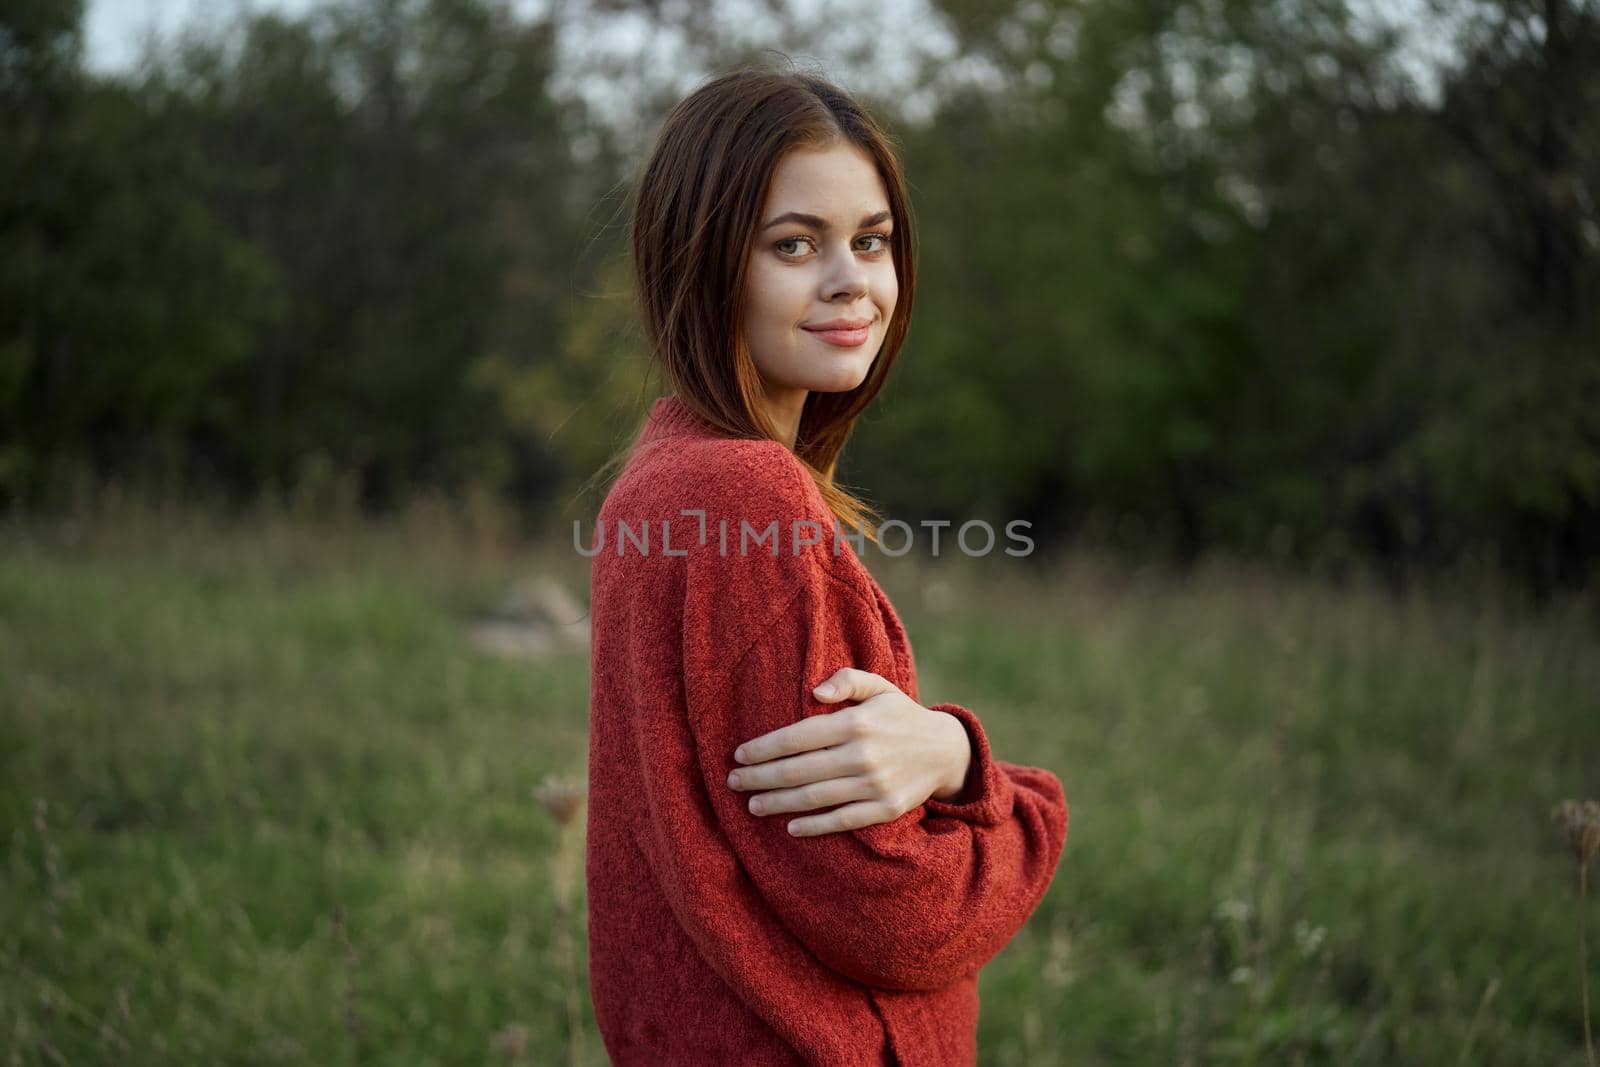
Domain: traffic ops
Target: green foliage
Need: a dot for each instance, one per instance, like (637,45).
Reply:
(404,164)
(1190,275)
(1225,273)
(126,300)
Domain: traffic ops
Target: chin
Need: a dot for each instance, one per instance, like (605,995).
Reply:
(839,379)
(843,372)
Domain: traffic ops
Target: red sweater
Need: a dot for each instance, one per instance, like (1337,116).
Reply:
(716,937)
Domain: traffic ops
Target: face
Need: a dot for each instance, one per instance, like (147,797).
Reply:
(820,257)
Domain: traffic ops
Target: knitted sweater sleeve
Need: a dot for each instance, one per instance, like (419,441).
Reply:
(915,903)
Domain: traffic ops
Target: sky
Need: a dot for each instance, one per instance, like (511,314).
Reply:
(896,34)
(114,29)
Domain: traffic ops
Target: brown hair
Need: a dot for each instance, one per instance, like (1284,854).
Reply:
(694,209)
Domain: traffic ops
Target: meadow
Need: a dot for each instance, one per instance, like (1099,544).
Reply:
(264,800)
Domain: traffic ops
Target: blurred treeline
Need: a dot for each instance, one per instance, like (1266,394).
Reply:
(1259,275)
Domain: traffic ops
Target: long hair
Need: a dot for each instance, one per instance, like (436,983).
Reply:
(694,210)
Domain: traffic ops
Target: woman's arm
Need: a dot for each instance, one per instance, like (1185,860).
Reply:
(876,758)
(915,903)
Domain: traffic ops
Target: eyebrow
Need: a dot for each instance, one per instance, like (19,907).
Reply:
(822,224)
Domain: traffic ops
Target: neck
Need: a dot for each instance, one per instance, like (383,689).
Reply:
(784,407)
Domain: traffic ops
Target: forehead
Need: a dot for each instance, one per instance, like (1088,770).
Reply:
(840,180)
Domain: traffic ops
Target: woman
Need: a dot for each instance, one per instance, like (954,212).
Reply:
(731,920)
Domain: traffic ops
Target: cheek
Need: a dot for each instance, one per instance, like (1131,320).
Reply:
(774,299)
(886,288)
(769,317)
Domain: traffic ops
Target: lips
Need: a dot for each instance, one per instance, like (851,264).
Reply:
(841,324)
(845,333)
(842,338)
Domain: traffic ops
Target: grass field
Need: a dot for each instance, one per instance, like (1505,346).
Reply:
(264,802)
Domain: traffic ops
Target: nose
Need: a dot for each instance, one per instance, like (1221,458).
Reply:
(848,278)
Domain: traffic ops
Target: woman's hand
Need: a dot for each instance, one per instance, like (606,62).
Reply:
(879,759)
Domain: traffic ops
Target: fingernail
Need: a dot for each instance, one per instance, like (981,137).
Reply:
(824,690)
(733,779)
(738,753)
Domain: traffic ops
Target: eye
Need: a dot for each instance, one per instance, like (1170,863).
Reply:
(883,241)
(788,241)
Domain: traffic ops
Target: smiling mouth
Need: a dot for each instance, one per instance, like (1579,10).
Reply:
(843,337)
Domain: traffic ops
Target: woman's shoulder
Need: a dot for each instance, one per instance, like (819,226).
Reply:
(749,480)
(729,515)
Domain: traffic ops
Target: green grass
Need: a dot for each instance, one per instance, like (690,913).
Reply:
(263,802)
